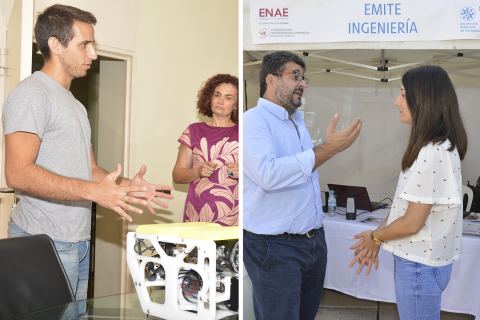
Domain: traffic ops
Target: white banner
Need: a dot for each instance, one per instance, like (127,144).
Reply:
(311,21)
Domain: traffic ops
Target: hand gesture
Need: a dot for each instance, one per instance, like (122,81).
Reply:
(206,169)
(232,170)
(152,192)
(341,140)
(110,195)
(366,252)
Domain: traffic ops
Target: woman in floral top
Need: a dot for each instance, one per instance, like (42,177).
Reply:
(424,227)
(208,155)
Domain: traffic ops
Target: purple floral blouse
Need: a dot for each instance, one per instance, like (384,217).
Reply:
(212,199)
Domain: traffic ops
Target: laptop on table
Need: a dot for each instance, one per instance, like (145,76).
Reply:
(360,194)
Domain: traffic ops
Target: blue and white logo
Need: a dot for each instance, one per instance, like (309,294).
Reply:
(467,13)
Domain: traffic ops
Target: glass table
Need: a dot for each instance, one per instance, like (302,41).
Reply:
(124,306)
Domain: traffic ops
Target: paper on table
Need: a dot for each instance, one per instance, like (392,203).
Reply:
(473,217)
(372,220)
(471,224)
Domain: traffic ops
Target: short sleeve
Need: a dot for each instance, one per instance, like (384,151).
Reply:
(26,109)
(431,178)
(185,138)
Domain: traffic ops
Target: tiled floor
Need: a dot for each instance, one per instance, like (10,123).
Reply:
(339,306)
(334,306)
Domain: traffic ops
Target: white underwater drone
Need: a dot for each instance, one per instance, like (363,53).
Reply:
(195,264)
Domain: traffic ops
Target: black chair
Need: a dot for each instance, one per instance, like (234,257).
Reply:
(32,277)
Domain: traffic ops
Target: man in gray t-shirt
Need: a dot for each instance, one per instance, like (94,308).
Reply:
(49,159)
(40,107)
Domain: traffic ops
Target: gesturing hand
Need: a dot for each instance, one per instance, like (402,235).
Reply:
(366,252)
(341,140)
(152,192)
(110,195)
(206,169)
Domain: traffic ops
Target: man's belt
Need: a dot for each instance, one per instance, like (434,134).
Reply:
(309,235)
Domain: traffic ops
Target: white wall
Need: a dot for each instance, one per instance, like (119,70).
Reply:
(179,45)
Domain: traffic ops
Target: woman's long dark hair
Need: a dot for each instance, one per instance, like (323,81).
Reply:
(433,103)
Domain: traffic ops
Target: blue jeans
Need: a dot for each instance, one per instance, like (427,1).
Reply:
(419,288)
(75,257)
(287,274)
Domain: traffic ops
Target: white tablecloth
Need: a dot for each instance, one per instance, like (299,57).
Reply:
(462,294)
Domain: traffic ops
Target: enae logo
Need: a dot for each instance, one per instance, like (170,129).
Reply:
(273,12)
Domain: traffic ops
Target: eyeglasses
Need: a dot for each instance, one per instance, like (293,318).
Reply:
(297,76)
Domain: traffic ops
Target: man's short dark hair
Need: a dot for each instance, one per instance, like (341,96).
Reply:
(275,63)
(57,21)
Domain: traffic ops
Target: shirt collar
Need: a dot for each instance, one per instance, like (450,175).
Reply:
(278,111)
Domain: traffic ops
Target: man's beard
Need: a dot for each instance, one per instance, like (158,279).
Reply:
(288,101)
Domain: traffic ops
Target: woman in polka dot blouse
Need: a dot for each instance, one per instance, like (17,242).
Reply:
(424,227)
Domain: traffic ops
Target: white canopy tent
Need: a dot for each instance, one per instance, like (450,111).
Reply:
(362,79)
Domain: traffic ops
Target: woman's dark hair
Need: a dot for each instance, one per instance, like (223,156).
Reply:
(275,63)
(57,21)
(205,94)
(433,103)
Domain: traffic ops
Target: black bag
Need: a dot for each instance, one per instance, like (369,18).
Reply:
(475,207)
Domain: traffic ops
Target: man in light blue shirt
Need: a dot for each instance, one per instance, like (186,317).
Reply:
(285,252)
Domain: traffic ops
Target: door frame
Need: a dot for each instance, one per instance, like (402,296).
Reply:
(127,58)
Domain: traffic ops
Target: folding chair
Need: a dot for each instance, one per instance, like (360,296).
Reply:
(32,277)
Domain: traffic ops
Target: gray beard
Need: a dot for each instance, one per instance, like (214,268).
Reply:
(288,104)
